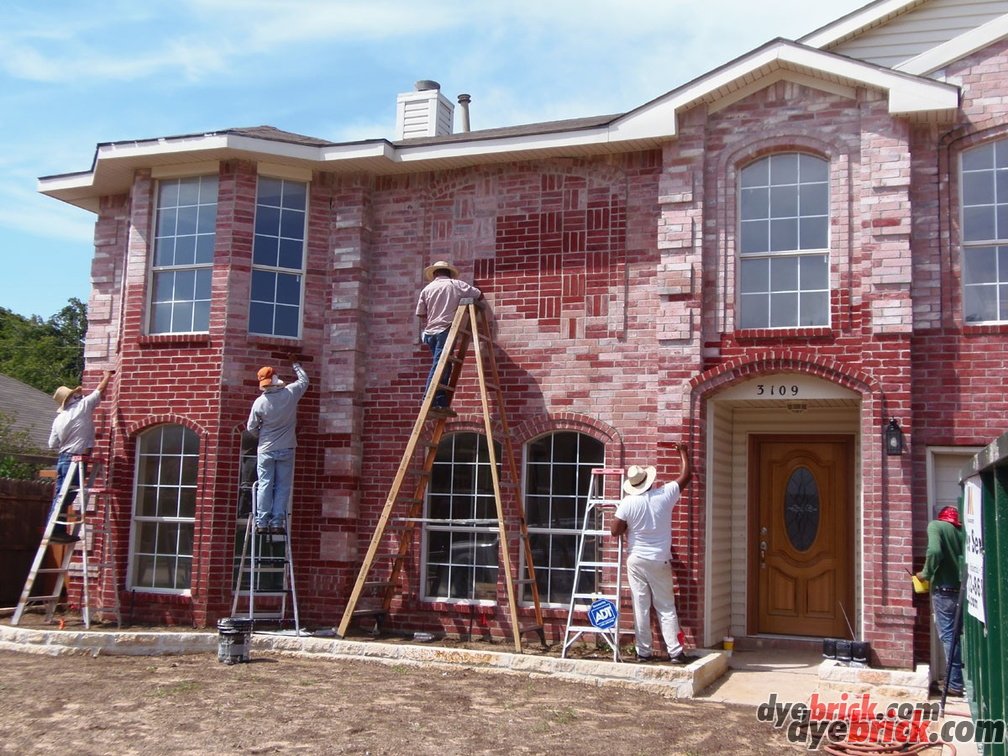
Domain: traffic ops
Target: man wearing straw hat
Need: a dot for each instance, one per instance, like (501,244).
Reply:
(436,307)
(73,433)
(645,515)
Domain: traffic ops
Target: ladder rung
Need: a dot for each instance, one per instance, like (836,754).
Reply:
(589,629)
(51,570)
(529,629)
(369,612)
(380,584)
(36,599)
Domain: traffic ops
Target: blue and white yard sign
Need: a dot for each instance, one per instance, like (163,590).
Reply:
(602,613)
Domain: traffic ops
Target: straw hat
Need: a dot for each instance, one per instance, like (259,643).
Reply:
(639,479)
(63,394)
(429,271)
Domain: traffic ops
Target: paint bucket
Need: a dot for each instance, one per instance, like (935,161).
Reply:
(829,648)
(860,651)
(728,644)
(843,650)
(233,640)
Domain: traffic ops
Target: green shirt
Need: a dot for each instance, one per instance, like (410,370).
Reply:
(944,554)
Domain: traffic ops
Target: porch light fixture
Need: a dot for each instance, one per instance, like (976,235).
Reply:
(893,438)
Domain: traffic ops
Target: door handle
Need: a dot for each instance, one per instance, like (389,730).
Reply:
(762,553)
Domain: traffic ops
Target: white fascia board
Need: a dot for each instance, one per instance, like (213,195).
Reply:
(64,182)
(503,145)
(956,48)
(379,148)
(907,94)
(854,22)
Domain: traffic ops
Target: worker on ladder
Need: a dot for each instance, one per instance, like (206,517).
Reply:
(436,307)
(273,419)
(73,434)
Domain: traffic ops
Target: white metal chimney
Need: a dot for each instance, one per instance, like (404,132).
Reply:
(424,112)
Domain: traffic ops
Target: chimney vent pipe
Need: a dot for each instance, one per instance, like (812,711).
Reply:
(464,101)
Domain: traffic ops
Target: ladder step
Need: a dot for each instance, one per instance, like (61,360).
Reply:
(529,629)
(380,584)
(369,612)
(37,599)
(589,629)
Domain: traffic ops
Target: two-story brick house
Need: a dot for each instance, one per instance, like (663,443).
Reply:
(772,262)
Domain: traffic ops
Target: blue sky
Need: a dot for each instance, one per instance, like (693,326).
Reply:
(74,73)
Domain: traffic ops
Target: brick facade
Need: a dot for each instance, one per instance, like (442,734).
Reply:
(611,281)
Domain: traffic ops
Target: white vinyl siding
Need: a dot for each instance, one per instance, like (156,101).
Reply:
(920,30)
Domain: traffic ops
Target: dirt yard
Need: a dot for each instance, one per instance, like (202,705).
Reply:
(280,704)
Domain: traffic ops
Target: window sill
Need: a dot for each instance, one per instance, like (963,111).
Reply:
(175,340)
(818,333)
(273,342)
(984,329)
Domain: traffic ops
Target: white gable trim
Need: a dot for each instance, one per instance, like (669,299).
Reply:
(956,48)
(871,15)
(907,94)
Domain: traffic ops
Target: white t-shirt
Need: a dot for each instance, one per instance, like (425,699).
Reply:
(649,521)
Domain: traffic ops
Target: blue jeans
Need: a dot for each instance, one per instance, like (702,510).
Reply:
(436,344)
(62,468)
(943,606)
(276,480)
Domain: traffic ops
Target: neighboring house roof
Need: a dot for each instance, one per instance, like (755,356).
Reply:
(810,62)
(32,410)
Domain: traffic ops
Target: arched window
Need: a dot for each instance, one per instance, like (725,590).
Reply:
(557,476)
(984,187)
(164,509)
(783,279)
(462,542)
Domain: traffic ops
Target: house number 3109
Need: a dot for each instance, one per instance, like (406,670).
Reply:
(776,389)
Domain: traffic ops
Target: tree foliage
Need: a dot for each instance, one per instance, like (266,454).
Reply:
(17,451)
(45,354)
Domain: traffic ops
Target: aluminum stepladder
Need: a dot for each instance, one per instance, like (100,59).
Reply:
(269,572)
(599,559)
(84,510)
(470,329)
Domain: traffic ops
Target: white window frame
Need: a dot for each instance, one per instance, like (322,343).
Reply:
(202,237)
(777,259)
(974,203)
(470,495)
(164,484)
(261,244)
(550,575)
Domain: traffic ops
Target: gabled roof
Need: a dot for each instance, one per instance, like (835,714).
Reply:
(648,126)
(32,410)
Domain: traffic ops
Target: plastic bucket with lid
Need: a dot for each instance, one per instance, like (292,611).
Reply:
(233,636)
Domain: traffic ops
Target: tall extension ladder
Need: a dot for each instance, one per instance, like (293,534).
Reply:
(470,328)
(90,557)
(599,559)
(262,562)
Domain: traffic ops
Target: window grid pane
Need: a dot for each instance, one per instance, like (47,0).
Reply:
(164,509)
(462,554)
(278,257)
(783,216)
(984,198)
(182,261)
(557,477)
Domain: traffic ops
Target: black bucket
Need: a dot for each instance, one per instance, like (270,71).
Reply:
(860,651)
(233,640)
(829,648)
(843,650)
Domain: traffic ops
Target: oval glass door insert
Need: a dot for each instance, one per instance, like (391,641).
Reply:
(801,508)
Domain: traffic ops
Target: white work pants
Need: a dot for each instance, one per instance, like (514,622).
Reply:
(651,583)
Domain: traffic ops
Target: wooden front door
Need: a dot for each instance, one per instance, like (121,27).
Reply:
(801,505)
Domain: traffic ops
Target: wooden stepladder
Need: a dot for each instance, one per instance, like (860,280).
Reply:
(598,571)
(470,329)
(84,510)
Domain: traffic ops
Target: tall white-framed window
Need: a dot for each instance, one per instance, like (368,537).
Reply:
(984,192)
(278,257)
(557,477)
(182,263)
(164,509)
(783,279)
(461,535)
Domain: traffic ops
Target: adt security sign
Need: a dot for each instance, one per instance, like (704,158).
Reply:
(602,614)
